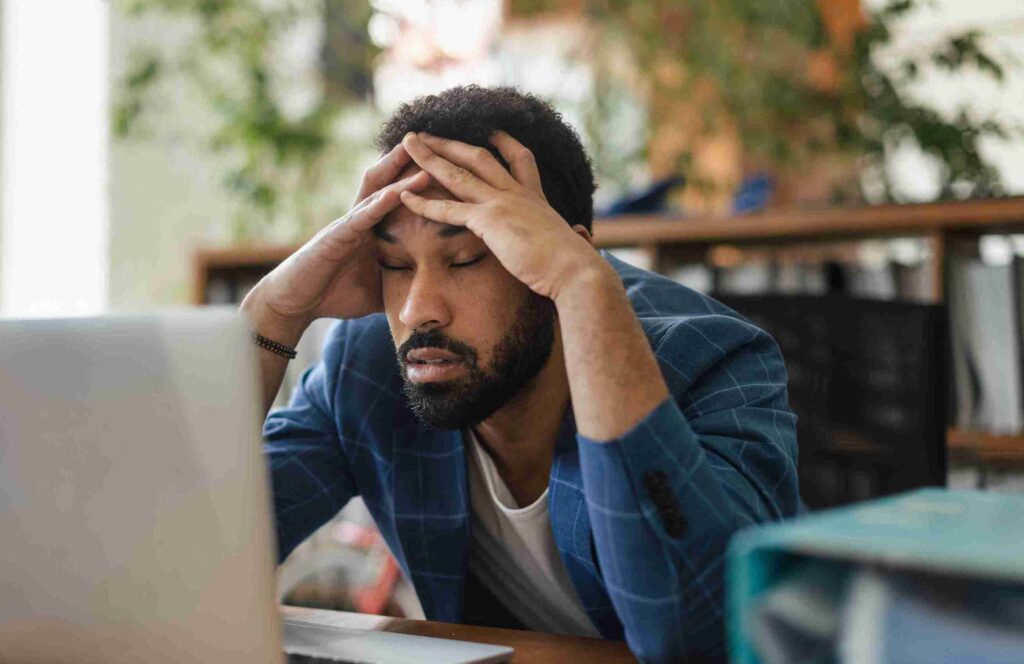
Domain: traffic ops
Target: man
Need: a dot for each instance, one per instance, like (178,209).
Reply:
(546,437)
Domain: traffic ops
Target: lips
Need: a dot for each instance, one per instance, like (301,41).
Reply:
(431,356)
(432,365)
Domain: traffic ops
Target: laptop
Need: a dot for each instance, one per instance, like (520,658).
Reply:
(134,502)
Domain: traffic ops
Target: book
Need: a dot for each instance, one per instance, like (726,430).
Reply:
(970,538)
(871,280)
(693,275)
(965,381)
(995,347)
(745,279)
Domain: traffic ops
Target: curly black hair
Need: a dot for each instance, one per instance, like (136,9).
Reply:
(472,113)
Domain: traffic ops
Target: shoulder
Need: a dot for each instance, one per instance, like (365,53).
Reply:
(656,296)
(692,334)
(667,308)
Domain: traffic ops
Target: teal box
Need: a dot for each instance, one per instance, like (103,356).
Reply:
(966,534)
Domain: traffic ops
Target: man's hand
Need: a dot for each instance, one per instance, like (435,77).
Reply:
(508,211)
(335,274)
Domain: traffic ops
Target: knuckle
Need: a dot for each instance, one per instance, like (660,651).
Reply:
(481,156)
(372,174)
(524,155)
(460,174)
(330,230)
(365,204)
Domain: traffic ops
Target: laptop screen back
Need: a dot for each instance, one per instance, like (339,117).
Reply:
(133,499)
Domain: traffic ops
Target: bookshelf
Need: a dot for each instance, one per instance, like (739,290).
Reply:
(668,239)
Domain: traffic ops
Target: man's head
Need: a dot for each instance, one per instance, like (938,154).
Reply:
(471,114)
(470,336)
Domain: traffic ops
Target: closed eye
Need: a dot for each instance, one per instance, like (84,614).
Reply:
(392,268)
(399,268)
(472,262)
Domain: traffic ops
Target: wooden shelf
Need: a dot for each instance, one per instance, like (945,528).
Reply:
(206,261)
(243,256)
(938,221)
(990,216)
(984,447)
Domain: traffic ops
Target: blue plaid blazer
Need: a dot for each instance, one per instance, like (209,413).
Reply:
(642,522)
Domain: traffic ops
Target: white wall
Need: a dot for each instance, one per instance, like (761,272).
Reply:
(165,198)
(166,192)
(54,142)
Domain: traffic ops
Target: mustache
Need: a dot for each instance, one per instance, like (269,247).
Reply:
(436,339)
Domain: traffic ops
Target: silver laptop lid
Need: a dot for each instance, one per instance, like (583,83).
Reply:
(134,510)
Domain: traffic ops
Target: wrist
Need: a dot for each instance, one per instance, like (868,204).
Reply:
(590,275)
(268,323)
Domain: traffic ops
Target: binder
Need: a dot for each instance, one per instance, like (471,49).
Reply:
(969,535)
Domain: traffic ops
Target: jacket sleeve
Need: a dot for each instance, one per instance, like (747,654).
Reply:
(665,498)
(309,473)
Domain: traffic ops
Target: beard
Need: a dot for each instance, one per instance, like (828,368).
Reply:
(470,399)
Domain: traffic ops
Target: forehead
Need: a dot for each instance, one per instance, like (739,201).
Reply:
(398,219)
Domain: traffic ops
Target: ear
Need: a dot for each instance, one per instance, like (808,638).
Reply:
(582,231)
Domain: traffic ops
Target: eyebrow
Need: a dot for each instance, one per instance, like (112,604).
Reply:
(451,231)
(379,231)
(447,231)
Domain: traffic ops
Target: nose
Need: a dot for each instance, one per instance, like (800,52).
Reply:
(425,306)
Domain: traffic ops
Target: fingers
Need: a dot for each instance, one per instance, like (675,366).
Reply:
(384,172)
(444,211)
(477,160)
(456,179)
(520,160)
(373,208)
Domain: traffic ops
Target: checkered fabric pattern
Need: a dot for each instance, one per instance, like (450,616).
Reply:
(641,522)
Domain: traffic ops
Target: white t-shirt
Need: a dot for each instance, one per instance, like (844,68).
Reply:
(513,553)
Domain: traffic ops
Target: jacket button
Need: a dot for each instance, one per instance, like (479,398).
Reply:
(655,480)
(675,527)
(662,497)
(656,483)
(672,519)
(670,511)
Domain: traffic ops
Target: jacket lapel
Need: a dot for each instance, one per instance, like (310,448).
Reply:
(570,525)
(431,512)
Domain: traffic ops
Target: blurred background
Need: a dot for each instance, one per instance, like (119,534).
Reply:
(160,153)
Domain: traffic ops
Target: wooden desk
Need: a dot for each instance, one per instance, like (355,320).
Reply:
(530,647)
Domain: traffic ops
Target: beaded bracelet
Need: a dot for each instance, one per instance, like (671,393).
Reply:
(273,346)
